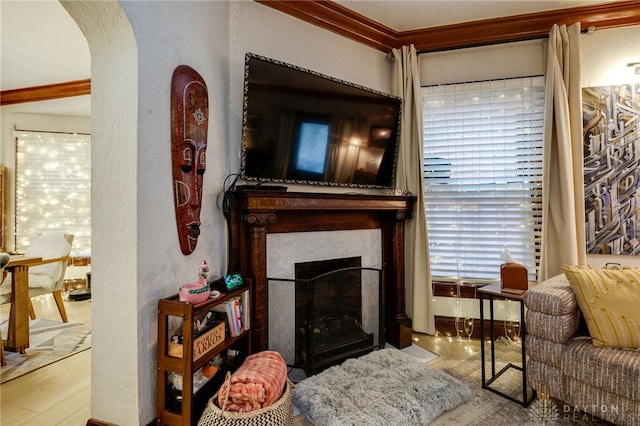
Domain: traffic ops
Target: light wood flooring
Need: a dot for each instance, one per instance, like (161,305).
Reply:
(60,394)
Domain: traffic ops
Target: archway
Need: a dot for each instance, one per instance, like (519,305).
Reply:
(115,382)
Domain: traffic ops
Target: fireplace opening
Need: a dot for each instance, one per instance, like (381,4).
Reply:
(329,324)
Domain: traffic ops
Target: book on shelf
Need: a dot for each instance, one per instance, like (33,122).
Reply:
(236,313)
(233,312)
(245,310)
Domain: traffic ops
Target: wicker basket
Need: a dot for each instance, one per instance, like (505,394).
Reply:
(280,413)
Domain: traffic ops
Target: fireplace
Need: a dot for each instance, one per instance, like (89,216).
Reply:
(329,326)
(336,273)
(257,217)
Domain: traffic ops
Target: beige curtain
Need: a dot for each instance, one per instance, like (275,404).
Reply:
(406,85)
(563,235)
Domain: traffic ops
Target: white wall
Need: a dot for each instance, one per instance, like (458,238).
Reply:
(505,60)
(605,55)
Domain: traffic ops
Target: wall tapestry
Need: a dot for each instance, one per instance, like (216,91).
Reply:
(611,138)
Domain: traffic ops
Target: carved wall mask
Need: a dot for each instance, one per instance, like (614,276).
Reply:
(189,125)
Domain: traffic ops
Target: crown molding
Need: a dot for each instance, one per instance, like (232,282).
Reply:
(46,92)
(334,17)
(347,23)
(339,19)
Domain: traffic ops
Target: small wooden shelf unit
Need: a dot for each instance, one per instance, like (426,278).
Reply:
(170,410)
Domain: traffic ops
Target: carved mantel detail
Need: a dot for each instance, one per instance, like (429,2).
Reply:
(253,214)
(401,215)
(260,219)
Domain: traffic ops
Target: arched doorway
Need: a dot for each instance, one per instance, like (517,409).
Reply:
(115,382)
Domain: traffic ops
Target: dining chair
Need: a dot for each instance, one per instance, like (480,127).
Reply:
(4,259)
(48,275)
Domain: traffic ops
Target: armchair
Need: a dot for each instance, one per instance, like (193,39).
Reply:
(48,275)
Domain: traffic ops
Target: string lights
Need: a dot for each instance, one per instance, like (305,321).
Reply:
(53,187)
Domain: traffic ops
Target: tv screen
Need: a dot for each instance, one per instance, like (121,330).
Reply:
(300,126)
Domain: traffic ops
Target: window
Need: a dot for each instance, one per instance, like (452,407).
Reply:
(483,176)
(53,187)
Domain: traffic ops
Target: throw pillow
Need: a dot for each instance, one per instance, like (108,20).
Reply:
(608,299)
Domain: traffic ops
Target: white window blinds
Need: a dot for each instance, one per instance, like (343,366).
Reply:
(53,187)
(483,176)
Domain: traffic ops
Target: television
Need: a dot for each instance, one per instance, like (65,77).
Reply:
(303,127)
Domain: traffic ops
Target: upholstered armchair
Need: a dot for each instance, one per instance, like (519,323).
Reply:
(48,276)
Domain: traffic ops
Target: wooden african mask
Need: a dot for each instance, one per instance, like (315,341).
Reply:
(189,125)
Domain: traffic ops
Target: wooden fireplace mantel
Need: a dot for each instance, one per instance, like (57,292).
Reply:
(252,214)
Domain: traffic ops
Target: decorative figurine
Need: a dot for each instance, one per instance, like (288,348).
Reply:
(189,126)
(203,273)
(198,291)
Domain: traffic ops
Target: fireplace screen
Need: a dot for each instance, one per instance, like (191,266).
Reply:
(338,312)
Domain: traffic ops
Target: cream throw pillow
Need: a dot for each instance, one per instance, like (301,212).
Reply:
(609,300)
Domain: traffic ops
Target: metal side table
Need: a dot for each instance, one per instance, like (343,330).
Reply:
(491,292)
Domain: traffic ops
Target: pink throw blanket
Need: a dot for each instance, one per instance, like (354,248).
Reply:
(256,384)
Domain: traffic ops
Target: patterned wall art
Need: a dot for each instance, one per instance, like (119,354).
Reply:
(611,138)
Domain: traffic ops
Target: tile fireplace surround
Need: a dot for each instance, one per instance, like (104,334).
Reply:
(285,250)
(255,214)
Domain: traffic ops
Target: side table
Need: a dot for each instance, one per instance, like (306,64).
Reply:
(491,292)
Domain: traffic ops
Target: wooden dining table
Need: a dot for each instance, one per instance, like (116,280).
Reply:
(18,331)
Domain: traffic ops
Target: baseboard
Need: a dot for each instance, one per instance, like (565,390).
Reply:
(94,422)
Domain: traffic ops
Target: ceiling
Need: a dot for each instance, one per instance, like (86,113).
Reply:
(41,44)
(405,15)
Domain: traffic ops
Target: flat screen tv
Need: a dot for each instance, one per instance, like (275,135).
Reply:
(300,126)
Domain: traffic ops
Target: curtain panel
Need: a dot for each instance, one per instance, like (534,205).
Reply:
(563,235)
(419,294)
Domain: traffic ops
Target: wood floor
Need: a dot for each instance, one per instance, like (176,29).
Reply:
(60,394)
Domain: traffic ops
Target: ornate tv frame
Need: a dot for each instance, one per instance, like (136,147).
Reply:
(252,122)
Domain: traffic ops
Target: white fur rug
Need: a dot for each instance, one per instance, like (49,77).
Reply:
(384,387)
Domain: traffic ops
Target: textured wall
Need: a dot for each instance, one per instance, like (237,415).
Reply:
(605,55)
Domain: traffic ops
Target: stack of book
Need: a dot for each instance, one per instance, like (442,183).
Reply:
(237,314)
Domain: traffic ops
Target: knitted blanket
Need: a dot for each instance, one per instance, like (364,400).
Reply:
(256,384)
